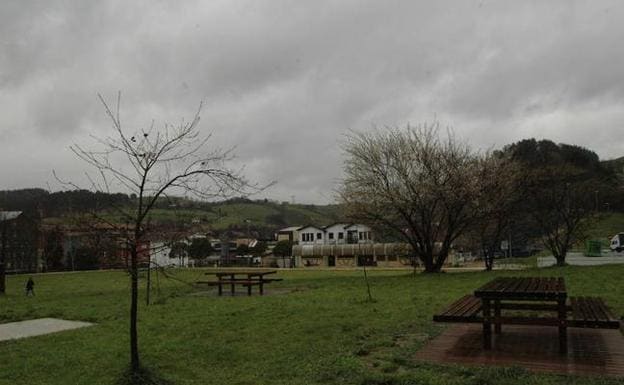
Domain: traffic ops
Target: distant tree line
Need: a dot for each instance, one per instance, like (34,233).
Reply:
(37,201)
(434,192)
(60,202)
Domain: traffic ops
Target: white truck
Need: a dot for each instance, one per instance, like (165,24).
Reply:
(617,242)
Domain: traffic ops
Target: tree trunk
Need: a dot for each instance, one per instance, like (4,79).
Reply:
(134,277)
(432,265)
(438,264)
(432,269)
(440,259)
(560,259)
(148,283)
(370,296)
(428,262)
(488,257)
(2,278)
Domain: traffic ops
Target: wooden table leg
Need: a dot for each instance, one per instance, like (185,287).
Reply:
(487,325)
(232,278)
(563,327)
(497,314)
(249,278)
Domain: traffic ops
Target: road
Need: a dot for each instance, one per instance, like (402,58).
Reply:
(578,259)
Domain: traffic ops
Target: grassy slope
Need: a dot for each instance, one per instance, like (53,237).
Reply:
(221,216)
(323,333)
(606,227)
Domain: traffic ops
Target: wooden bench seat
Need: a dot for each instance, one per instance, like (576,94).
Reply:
(242,282)
(586,312)
(591,312)
(248,283)
(466,309)
(209,283)
(238,277)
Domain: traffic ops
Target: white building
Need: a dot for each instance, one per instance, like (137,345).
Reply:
(161,250)
(335,234)
(347,233)
(159,255)
(358,233)
(311,235)
(288,234)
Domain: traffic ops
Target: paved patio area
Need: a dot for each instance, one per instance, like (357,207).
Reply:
(591,351)
(37,327)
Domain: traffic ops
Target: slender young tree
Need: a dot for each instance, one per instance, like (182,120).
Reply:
(151,163)
(179,251)
(283,249)
(200,249)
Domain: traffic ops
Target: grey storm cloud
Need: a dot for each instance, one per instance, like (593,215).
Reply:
(283,81)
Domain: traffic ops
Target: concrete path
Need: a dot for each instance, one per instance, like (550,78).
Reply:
(579,259)
(37,327)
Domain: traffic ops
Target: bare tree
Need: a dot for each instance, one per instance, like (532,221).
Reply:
(495,203)
(561,205)
(559,185)
(414,183)
(151,163)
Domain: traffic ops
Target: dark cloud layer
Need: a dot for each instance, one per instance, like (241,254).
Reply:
(285,80)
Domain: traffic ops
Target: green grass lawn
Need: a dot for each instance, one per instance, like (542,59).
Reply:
(321,332)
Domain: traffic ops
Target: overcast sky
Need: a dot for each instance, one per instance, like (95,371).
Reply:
(284,80)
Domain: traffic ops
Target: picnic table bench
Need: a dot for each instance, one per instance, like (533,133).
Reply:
(536,294)
(245,278)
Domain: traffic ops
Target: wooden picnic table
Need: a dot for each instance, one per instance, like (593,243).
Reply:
(247,278)
(523,293)
(541,296)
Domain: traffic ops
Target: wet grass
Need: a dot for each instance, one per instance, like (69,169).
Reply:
(322,331)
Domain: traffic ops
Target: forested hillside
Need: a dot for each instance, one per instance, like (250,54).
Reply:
(239,214)
(263,217)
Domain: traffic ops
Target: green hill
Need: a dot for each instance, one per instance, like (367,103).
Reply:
(615,164)
(262,217)
(266,215)
(606,227)
(259,218)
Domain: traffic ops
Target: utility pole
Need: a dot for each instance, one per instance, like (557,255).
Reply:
(2,258)
(249,261)
(247,221)
(510,254)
